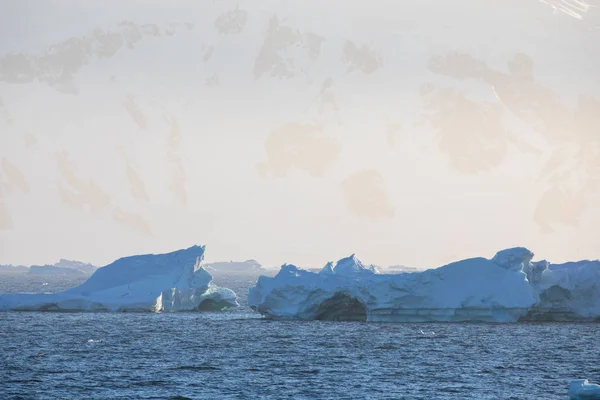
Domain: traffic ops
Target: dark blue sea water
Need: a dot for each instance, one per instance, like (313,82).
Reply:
(238,356)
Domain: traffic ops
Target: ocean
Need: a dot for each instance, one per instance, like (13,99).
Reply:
(239,355)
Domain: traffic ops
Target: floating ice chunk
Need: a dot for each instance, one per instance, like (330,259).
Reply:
(581,389)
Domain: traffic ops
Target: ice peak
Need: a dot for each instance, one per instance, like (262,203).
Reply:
(514,259)
(288,269)
(350,266)
(327,269)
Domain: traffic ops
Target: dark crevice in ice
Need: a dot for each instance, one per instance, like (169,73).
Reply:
(341,307)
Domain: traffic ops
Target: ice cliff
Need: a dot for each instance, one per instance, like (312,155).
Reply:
(154,282)
(507,288)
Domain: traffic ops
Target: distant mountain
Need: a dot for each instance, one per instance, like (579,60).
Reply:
(54,270)
(63,267)
(401,268)
(13,269)
(234,266)
(78,265)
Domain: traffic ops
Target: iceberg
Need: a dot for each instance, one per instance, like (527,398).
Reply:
(581,389)
(507,288)
(145,283)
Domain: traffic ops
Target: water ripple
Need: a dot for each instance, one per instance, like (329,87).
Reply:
(237,356)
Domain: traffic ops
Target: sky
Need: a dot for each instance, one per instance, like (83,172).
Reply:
(409,133)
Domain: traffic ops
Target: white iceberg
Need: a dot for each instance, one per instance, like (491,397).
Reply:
(581,389)
(154,282)
(507,288)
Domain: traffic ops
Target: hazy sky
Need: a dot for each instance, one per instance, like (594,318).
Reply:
(412,132)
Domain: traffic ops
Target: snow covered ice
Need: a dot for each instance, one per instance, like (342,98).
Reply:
(507,288)
(154,282)
(581,389)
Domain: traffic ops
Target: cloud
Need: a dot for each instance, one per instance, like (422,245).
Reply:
(135,112)
(301,146)
(131,220)
(391,130)
(14,175)
(472,134)
(573,8)
(58,64)
(178,175)
(572,171)
(558,205)
(207,52)
(361,58)
(366,195)
(326,100)
(5,218)
(30,140)
(231,22)
(78,193)
(136,184)
(212,81)
(524,97)
(4,112)
(276,58)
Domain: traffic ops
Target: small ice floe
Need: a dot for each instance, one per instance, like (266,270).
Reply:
(45,284)
(581,389)
(94,341)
